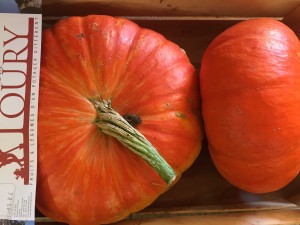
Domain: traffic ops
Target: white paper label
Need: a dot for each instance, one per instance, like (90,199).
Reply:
(20,43)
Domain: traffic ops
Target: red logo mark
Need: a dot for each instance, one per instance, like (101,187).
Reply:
(8,157)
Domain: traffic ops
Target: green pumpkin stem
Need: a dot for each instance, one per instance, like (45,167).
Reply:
(112,123)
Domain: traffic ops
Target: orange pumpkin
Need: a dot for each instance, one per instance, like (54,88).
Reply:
(250,88)
(118,119)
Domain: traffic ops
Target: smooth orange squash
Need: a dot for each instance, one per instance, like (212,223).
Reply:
(118,119)
(250,88)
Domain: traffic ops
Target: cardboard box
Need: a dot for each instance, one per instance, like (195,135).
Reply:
(202,196)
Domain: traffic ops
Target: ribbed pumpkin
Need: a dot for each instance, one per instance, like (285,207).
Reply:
(118,119)
(250,88)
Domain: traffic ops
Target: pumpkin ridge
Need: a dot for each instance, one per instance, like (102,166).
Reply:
(132,57)
(121,74)
(145,96)
(81,81)
(64,79)
(84,24)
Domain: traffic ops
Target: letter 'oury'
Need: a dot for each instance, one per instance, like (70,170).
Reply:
(15,94)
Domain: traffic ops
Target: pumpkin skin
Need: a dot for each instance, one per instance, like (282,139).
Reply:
(250,89)
(84,175)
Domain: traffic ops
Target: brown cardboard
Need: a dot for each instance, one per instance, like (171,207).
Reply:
(202,196)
